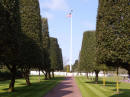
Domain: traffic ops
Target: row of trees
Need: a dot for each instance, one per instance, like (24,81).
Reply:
(24,40)
(109,45)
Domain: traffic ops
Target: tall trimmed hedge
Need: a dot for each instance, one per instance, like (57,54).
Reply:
(87,59)
(113,33)
(9,37)
(88,49)
(31,30)
(9,31)
(46,45)
(54,47)
(55,55)
(60,60)
(31,37)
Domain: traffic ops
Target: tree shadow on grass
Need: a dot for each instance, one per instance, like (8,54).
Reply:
(123,93)
(37,89)
(58,78)
(4,82)
(108,83)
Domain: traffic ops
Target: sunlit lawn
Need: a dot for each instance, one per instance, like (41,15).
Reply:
(89,89)
(37,89)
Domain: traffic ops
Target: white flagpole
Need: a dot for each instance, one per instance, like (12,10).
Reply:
(71,43)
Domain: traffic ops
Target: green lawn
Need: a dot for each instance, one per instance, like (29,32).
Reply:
(90,89)
(37,89)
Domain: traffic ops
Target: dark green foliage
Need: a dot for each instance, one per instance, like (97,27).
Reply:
(54,47)
(113,33)
(80,67)
(55,55)
(31,37)
(7,75)
(46,45)
(31,52)
(9,29)
(88,58)
(24,39)
(60,59)
(9,37)
(75,66)
(88,52)
(45,33)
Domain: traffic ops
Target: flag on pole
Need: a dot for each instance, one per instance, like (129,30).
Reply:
(69,15)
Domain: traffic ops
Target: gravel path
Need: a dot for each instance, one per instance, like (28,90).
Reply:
(66,88)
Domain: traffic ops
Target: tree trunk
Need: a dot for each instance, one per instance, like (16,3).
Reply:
(39,75)
(49,75)
(129,73)
(26,76)
(27,79)
(45,74)
(87,75)
(92,77)
(117,83)
(11,85)
(53,74)
(129,76)
(104,80)
(96,77)
(12,82)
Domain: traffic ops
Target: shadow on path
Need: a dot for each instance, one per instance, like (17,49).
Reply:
(66,88)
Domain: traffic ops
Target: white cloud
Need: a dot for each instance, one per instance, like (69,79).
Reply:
(49,15)
(89,25)
(54,4)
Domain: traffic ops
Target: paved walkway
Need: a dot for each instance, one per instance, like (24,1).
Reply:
(66,88)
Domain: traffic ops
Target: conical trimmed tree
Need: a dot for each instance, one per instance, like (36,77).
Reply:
(31,50)
(88,58)
(60,60)
(9,36)
(113,33)
(46,46)
(55,56)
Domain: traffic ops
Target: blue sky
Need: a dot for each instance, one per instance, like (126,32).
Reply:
(84,18)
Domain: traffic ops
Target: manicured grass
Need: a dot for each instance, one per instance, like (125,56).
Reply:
(89,89)
(37,89)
